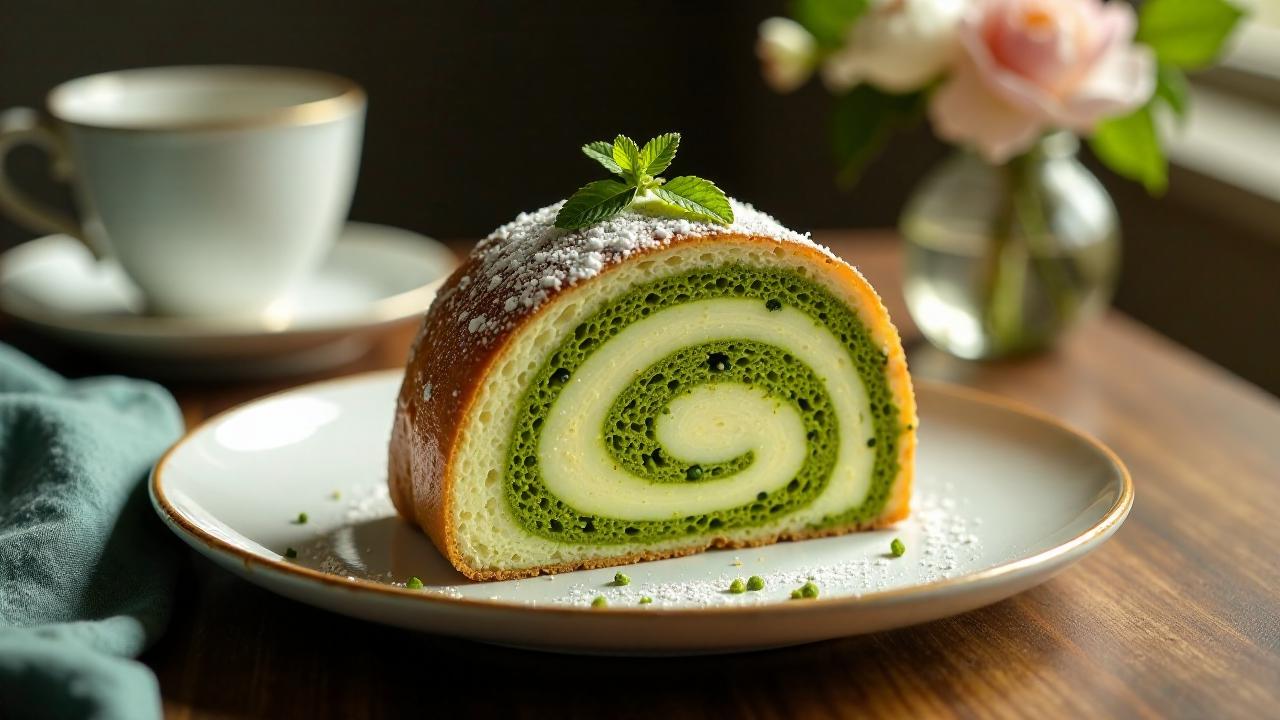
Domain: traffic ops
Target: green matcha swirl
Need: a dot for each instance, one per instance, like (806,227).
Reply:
(732,414)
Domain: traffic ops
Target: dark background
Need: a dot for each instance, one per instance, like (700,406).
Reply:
(476,111)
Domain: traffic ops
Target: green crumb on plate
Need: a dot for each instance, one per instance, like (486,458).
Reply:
(755,582)
(737,587)
(301,519)
(808,591)
(335,495)
(599,602)
(896,548)
(646,600)
(290,553)
(621,579)
(414,583)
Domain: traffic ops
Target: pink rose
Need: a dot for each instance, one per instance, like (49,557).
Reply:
(1029,66)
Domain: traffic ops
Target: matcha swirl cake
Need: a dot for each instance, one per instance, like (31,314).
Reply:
(648,387)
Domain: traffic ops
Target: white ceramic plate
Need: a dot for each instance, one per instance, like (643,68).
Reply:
(1006,497)
(375,275)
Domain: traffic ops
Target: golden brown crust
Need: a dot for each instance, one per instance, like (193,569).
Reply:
(440,387)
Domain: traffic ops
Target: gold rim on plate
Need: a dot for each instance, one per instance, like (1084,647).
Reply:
(1109,521)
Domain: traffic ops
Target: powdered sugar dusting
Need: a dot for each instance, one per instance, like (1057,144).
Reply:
(368,502)
(941,537)
(529,259)
(940,546)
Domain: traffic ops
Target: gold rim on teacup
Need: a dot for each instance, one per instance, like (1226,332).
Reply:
(346,97)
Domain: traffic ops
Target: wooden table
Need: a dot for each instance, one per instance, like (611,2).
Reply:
(1177,616)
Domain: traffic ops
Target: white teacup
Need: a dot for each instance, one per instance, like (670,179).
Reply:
(216,188)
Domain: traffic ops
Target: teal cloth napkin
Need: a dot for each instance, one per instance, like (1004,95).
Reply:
(86,568)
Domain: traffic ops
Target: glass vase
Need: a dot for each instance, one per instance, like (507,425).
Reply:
(1003,260)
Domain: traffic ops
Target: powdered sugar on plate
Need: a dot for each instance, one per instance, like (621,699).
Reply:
(360,537)
(940,541)
(368,502)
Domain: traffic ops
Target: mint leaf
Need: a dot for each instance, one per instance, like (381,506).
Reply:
(604,199)
(828,20)
(602,152)
(1171,87)
(1186,33)
(698,197)
(627,154)
(864,118)
(593,203)
(1130,146)
(658,153)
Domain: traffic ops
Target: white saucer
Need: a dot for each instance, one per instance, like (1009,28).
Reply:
(1005,498)
(375,275)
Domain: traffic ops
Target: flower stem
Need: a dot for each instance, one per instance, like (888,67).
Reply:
(1021,241)
(1043,255)
(1004,275)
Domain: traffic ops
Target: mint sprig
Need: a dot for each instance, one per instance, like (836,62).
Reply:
(638,169)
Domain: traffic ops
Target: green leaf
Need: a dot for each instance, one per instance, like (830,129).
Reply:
(828,20)
(658,153)
(864,119)
(1130,146)
(697,197)
(602,152)
(1187,33)
(1171,87)
(627,154)
(593,203)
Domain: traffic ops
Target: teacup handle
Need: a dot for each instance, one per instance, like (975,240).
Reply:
(22,126)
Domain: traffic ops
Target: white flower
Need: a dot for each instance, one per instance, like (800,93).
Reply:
(898,45)
(787,52)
